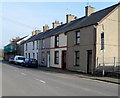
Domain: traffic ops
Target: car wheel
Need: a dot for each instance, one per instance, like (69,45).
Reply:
(27,65)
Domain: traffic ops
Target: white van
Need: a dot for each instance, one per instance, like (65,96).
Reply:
(19,59)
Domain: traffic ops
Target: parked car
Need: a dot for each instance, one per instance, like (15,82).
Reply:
(11,60)
(19,60)
(31,62)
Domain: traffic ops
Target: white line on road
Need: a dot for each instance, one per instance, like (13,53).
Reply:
(40,80)
(23,74)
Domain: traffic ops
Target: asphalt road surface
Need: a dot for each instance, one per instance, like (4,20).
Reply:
(21,81)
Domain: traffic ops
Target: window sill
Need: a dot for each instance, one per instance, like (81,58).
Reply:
(56,46)
(76,44)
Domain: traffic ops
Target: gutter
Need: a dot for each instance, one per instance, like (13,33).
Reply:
(81,27)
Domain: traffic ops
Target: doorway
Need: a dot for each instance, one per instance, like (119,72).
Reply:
(89,61)
(48,59)
(64,59)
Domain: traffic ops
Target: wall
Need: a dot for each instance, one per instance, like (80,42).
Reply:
(87,38)
(30,49)
(46,50)
(62,46)
(111,39)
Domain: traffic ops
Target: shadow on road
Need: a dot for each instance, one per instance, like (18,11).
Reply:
(44,69)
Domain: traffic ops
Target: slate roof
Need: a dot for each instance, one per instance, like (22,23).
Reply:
(20,38)
(38,36)
(93,19)
(15,41)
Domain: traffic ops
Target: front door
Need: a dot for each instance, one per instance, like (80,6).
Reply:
(63,59)
(89,61)
(48,59)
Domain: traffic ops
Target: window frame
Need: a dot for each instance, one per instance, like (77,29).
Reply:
(37,44)
(26,55)
(34,55)
(29,55)
(33,45)
(37,55)
(56,59)
(43,43)
(26,46)
(56,41)
(102,41)
(77,37)
(43,57)
(77,58)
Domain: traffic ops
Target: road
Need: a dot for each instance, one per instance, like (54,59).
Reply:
(21,81)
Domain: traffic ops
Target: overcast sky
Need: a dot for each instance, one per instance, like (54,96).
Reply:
(20,19)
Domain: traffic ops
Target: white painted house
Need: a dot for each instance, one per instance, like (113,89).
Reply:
(31,47)
(44,49)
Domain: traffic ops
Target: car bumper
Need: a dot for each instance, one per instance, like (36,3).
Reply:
(33,65)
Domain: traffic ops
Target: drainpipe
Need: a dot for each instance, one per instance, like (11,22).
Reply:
(95,39)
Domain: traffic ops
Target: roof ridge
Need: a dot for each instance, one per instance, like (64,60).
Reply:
(107,8)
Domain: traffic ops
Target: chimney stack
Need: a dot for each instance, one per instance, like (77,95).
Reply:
(55,24)
(69,18)
(45,28)
(36,32)
(33,32)
(89,10)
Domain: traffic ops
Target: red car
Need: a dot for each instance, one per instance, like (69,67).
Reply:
(11,60)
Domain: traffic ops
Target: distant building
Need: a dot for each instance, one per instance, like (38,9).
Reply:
(12,49)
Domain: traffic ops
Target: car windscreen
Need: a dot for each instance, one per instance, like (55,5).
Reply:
(21,58)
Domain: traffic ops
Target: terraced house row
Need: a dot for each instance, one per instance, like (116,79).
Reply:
(78,44)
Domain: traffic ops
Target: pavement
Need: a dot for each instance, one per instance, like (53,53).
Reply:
(22,81)
(83,75)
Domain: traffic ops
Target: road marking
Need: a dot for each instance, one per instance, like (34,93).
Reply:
(23,74)
(40,80)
